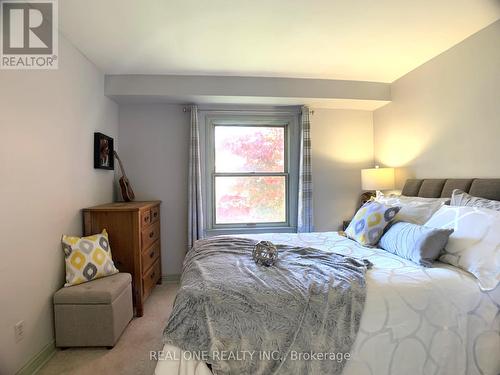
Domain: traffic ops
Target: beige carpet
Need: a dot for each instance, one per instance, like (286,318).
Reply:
(130,356)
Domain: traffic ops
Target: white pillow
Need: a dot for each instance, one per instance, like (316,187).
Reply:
(475,242)
(414,210)
(461,198)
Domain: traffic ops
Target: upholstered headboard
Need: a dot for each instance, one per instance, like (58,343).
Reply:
(488,188)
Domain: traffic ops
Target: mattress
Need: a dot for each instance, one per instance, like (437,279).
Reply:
(416,320)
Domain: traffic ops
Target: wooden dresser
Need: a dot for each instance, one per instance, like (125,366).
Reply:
(134,236)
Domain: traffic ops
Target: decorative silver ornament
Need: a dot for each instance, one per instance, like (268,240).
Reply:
(265,253)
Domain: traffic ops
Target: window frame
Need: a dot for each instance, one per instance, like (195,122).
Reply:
(290,172)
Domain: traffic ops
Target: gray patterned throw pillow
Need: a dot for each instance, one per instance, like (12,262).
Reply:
(462,199)
(418,243)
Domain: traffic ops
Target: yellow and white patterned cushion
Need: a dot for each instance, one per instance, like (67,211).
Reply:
(87,258)
(369,223)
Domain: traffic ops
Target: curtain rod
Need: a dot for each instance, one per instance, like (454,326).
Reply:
(188,109)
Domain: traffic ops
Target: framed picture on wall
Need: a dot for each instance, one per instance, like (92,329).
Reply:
(103,152)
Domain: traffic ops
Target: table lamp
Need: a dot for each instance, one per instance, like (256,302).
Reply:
(374,180)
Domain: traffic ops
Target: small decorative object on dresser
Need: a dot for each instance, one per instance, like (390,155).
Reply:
(134,234)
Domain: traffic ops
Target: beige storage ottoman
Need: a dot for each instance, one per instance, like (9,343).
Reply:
(93,313)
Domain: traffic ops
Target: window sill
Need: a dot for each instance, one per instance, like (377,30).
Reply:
(244,230)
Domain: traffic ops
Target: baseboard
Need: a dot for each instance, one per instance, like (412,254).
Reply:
(41,358)
(171,279)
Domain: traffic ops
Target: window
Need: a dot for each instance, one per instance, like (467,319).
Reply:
(249,172)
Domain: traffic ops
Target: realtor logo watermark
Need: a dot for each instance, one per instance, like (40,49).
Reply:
(28,34)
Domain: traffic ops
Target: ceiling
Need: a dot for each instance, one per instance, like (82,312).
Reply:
(333,39)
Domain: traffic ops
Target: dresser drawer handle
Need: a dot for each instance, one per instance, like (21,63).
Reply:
(153,275)
(152,254)
(155,214)
(151,234)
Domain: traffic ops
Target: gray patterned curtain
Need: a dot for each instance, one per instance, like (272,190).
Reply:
(195,214)
(305,207)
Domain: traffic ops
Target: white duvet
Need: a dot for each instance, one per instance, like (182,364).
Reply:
(416,320)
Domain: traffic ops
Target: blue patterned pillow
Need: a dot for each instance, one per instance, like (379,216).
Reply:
(417,243)
(369,223)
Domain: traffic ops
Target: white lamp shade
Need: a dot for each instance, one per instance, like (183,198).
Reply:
(377,179)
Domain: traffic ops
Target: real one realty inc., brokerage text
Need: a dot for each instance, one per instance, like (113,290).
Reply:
(229,355)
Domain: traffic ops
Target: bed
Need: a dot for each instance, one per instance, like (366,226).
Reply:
(416,320)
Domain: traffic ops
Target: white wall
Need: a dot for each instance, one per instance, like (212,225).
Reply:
(154,147)
(444,119)
(342,144)
(47,121)
(154,141)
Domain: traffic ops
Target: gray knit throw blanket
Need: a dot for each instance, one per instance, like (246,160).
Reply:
(299,316)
